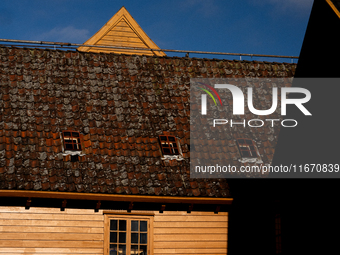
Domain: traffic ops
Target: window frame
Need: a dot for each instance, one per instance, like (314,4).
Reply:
(168,142)
(77,143)
(245,147)
(128,217)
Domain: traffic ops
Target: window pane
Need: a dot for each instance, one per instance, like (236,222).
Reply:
(134,249)
(113,237)
(166,151)
(143,249)
(163,138)
(75,134)
(143,238)
(67,133)
(68,146)
(122,250)
(245,154)
(143,226)
(249,141)
(122,237)
(113,249)
(165,145)
(134,237)
(240,141)
(113,224)
(176,151)
(134,225)
(122,225)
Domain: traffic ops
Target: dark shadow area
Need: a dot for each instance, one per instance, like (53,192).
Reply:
(307,207)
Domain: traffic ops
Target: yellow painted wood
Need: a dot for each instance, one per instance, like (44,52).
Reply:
(64,251)
(115,197)
(190,237)
(51,216)
(51,223)
(190,251)
(208,214)
(190,245)
(333,7)
(189,217)
(195,230)
(130,52)
(48,210)
(200,224)
(121,24)
(52,236)
(37,229)
(194,233)
(50,231)
(50,244)
(81,231)
(20,253)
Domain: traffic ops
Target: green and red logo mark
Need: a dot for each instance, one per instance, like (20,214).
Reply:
(209,93)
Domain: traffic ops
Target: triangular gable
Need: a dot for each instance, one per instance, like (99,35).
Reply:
(122,31)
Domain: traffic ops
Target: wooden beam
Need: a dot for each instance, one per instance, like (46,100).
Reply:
(191,206)
(162,208)
(218,208)
(97,206)
(333,7)
(28,203)
(126,213)
(63,205)
(115,197)
(130,207)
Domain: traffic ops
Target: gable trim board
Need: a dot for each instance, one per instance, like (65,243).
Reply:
(122,31)
(334,8)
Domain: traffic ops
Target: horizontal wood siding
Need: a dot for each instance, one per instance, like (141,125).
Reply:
(77,231)
(50,231)
(194,233)
(122,35)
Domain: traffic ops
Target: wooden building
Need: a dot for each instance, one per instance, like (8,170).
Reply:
(82,167)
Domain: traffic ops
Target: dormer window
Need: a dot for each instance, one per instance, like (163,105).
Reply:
(168,145)
(72,140)
(247,148)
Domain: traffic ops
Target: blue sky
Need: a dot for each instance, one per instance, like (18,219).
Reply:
(274,27)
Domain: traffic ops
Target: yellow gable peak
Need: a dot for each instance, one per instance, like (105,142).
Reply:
(122,31)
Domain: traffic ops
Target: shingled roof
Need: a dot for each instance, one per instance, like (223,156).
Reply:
(120,103)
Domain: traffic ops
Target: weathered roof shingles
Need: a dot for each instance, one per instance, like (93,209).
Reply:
(121,103)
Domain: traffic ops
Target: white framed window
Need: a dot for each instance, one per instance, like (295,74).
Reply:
(128,235)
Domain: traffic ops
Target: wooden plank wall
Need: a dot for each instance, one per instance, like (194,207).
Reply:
(122,35)
(50,231)
(195,233)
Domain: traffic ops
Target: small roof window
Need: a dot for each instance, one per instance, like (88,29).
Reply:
(169,145)
(247,148)
(71,140)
